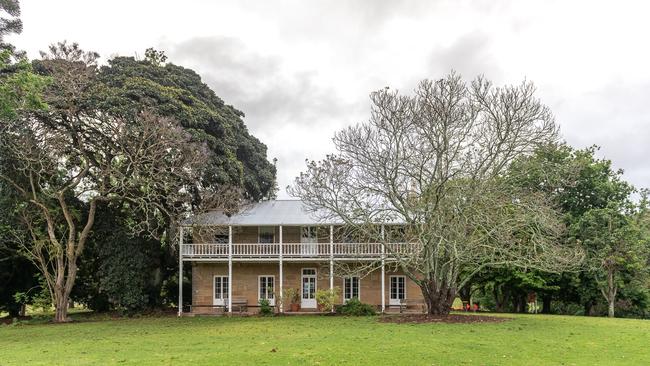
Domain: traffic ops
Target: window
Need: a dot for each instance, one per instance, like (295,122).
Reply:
(266,234)
(221,238)
(266,287)
(220,289)
(397,288)
(350,288)
(309,234)
(395,234)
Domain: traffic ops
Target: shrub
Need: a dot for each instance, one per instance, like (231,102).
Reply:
(291,295)
(355,307)
(265,307)
(326,298)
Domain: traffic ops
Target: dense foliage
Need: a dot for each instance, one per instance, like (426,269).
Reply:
(600,213)
(354,307)
(135,273)
(237,157)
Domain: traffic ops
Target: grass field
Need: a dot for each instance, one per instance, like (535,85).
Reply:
(323,340)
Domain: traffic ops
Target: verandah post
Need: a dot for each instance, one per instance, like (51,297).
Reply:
(383,271)
(180,272)
(230,282)
(281,275)
(332,261)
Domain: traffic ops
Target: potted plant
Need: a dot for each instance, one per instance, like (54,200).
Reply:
(292,295)
(326,298)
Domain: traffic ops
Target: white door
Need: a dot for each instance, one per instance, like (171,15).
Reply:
(397,290)
(220,285)
(308,241)
(308,288)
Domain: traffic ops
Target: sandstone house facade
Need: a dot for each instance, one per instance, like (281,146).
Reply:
(273,245)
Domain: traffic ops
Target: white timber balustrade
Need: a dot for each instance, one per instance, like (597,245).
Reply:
(290,251)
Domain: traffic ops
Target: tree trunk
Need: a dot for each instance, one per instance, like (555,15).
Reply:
(438,298)
(60,306)
(519,303)
(546,304)
(523,304)
(587,307)
(611,292)
(500,299)
(62,295)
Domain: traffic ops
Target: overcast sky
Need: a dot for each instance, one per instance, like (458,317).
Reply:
(301,70)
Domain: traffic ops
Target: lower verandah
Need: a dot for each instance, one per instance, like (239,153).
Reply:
(253,281)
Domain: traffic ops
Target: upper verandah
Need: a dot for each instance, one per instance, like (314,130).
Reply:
(272,228)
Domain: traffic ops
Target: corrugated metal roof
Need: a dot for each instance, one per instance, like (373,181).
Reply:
(272,213)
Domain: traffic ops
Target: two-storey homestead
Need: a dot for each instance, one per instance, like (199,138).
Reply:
(269,246)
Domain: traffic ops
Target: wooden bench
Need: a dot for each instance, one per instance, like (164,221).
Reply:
(240,304)
(207,309)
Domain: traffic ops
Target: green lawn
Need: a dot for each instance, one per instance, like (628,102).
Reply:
(526,340)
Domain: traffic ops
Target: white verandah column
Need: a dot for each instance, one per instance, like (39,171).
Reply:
(383,271)
(332,261)
(281,274)
(180,272)
(230,284)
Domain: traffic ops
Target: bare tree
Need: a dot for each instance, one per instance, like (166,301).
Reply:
(65,161)
(435,163)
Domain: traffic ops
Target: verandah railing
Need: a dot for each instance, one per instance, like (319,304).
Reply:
(296,250)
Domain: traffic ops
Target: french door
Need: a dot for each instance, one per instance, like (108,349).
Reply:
(221,284)
(308,288)
(397,289)
(308,240)
(266,289)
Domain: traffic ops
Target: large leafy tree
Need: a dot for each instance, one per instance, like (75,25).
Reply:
(20,90)
(10,23)
(122,271)
(436,161)
(577,182)
(234,158)
(614,244)
(75,156)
